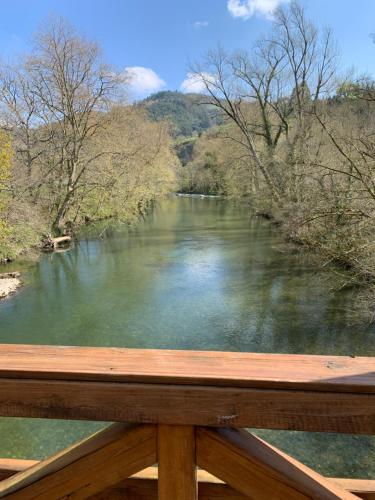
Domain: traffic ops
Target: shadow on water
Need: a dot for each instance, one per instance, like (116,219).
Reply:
(195,274)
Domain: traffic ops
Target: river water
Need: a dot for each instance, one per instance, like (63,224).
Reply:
(197,273)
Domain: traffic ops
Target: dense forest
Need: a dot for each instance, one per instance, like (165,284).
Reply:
(277,127)
(187,113)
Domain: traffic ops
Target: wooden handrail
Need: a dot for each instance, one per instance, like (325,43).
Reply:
(221,369)
(187,394)
(272,391)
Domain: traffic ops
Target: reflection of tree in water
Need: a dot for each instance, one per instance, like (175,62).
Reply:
(283,303)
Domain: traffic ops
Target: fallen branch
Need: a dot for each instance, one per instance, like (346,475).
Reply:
(54,243)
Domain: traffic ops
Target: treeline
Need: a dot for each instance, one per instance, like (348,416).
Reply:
(71,150)
(296,144)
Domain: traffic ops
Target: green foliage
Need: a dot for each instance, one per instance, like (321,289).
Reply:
(205,172)
(95,158)
(5,166)
(124,184)
(185,111)
(361,88)
(5,158)
(20,224)
(20,236)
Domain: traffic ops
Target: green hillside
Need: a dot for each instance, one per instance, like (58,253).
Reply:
(185,111)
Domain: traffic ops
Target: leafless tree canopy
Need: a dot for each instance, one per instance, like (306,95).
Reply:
(275,85)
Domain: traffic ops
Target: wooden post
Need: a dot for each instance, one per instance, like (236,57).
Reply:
(177,466)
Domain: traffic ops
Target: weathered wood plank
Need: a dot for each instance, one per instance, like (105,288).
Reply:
(85,468)
(189,405)
(176,459)
(255,468)
(271,371)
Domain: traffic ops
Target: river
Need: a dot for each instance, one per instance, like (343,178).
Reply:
(197,273)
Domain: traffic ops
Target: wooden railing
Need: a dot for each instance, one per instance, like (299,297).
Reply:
(184,411)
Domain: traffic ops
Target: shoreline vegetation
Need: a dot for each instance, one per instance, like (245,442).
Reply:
(278,128)
(296,144)
(72,149)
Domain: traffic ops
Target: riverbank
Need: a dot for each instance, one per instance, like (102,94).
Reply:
(9,283)
(339,273)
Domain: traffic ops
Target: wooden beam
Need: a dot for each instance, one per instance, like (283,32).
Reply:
(176,459)
(90,466)
(189,405)
(233,369)
(143,485)
(11,466)
(258,470)
(363,488)
(147,489)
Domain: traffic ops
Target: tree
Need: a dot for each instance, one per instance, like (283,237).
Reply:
(265,91)
(80,153)
(5,172)
(58,101)
(140,165)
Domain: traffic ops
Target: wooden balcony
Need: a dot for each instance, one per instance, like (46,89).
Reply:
(184,411)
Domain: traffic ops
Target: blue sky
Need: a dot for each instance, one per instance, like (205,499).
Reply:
(158,38)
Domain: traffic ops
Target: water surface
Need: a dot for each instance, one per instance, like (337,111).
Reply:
(197,273)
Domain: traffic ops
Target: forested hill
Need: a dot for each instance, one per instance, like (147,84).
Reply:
(185,111)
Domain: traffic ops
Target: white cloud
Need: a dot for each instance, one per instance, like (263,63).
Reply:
(194,83)
(201,24)
(143,81)
(247,8)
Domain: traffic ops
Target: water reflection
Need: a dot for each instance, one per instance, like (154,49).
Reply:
(195,274)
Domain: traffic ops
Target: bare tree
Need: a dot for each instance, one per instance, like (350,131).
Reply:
(278,83)
(310,77)
(223,76)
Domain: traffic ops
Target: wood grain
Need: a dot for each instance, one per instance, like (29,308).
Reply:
(85,468)
(176,460)
(271,371)
(11,466)
(259,470)
(143,485)
(143,488)
(147,489)
(189,405)
(364,488)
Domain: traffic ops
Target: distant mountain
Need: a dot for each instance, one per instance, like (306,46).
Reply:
(185,111)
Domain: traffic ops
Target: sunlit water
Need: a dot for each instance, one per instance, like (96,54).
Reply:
(198,273)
